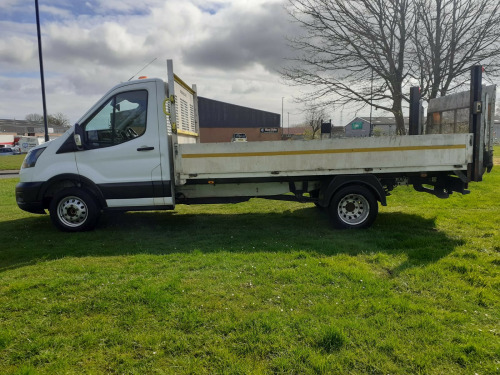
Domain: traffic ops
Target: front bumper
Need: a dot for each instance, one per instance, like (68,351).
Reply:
(28,197)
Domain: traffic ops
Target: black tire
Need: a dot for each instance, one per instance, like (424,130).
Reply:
(353,207)
(74,210)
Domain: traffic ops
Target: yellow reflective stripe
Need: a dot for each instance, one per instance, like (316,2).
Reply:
(185,132)
(183,84)
(319,152)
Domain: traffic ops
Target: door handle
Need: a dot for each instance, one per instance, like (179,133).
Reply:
(145,148)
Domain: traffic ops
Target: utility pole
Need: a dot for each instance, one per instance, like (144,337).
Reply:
(45,117)
(282,111)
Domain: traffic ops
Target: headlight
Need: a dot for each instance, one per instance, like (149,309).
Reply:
(32,157)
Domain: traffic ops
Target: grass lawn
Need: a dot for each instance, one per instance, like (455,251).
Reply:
(260,287)
(11,162)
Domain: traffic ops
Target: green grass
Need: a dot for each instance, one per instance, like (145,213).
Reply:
(260,287)
(11,162)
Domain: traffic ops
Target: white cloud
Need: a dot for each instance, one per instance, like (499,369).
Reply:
(125,6)
(7,5)
(17,51)
(108,44)
(243,35)
(55,11)
(242,86)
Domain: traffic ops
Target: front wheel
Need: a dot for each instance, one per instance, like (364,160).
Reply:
(74,210)
(353,207)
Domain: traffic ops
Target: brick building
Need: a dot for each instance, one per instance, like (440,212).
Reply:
(219,121)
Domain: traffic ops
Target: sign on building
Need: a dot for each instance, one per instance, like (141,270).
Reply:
(357,125)
(269,130)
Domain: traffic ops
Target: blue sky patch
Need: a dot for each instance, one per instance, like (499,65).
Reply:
(210,8)
(57,10)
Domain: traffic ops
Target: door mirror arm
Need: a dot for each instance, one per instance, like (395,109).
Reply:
(79,137)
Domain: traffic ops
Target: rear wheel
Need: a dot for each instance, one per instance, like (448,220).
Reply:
(74,210)
(353,207)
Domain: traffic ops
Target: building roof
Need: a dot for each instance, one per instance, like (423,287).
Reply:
(23,126)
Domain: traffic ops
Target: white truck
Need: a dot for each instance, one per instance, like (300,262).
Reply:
(26,143)
(6,140)
(137,149)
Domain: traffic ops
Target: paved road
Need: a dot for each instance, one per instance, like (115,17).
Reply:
(9,174)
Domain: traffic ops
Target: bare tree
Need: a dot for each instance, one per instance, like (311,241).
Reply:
(34,117)
(59,119)
(451,36)
(314,116)
(370,51)
(353,52)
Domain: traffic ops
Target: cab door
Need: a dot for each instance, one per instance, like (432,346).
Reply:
(122,150)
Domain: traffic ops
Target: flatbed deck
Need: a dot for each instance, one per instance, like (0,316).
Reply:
(396,154)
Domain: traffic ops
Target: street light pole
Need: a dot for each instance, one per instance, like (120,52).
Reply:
(282,98)
(45,123)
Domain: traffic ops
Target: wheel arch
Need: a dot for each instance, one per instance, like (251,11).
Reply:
(333,185)
(62,181)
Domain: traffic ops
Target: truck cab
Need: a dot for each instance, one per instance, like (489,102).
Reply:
(123,160)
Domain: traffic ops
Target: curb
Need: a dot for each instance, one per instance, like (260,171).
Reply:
(9,171)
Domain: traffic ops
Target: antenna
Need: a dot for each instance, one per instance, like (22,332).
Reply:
(145,66)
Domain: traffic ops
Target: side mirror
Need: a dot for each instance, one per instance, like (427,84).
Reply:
(78,140)
(79,137)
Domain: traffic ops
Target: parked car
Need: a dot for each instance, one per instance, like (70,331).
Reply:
(6,151)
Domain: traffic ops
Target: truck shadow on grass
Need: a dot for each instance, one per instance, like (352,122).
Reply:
(34,239)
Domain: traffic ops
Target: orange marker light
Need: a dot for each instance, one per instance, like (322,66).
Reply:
(143,77)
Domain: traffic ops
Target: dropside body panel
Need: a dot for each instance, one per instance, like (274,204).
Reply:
(377,155)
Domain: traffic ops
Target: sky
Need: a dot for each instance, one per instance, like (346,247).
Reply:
(231,49)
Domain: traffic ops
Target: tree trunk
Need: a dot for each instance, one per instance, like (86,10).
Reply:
(398,116)
(397,109)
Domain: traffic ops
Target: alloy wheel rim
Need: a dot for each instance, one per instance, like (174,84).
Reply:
(353,209)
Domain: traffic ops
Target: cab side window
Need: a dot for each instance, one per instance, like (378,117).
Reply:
(120,120)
